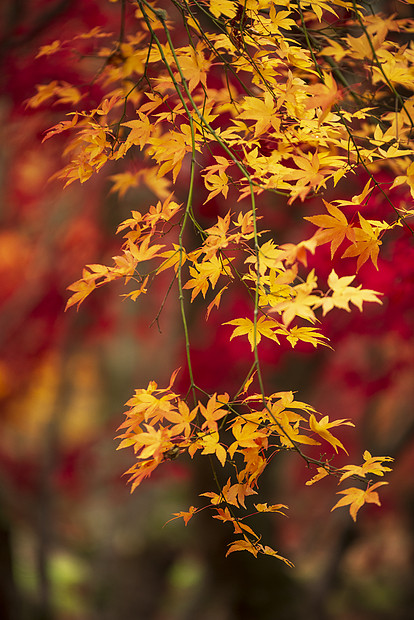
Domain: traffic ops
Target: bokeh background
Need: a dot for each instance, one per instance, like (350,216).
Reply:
(74,544)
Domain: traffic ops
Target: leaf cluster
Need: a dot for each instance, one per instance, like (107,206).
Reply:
(279,99)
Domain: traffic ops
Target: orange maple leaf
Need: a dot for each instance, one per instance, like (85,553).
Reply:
(334,227)
(356,498)
(185,515)
(365,243)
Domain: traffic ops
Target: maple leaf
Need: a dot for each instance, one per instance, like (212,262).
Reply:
(321,474)
(266,550)
(152,443)
(334,227)
(44,92)
(153,402)
(211,445)
(186,515)
(321,428)
(243,545)
(47,50)
(140,132)
(132,222)
(263,111)
(144,252)
(275,287)
(169,150)
(194,65)
(66,93)
(162,212)
(216,301)
(264,327)
(139,291)
(343,294)
(289,432)
(160,186)
(372,465)
(279,19)
(246,434)
(356,498)
(301,302)
(323,95)
(217,237)
(217,184)
(298,252)
(268,257)
(272,508)
(308,174)
(223,7)
(214,411)
(123,181)
(305,334)
(205,273)
(407,178)
(60,127)
(125,266)
(365,243)
(181,419)
(140,471)
(174,258)
(82,290)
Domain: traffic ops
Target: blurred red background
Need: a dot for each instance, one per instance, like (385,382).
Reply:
(73,543)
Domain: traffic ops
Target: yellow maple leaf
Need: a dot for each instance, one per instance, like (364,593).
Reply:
(205,273)
(141,470)
(181,419)
(152,443)
(365,244)
(270,256)
(266,550)
(262,111)
(356,498)
(47,50)
(140,131)
(372,465)
(334,227)
(321,474)
(194,64)
(306,334)
(144,251)
(217,236)
(44,92)
(323,95)
(343,294)
(321,428)
(214,411)
(223,7)
(246,434)
(67,93)
(290,434)
(217,184)
(272,508)
(123,181)
(216,301)
(82,290)
(211,445)
(264,327)
(300,303)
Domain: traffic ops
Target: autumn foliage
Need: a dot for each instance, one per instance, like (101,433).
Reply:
(251,106)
